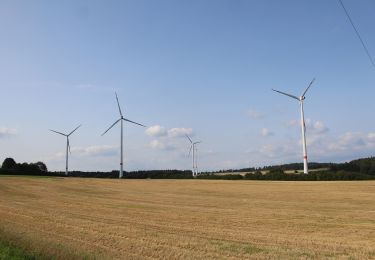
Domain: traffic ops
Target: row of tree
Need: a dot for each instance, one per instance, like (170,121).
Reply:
(364,165)
(284,167)
(152,174)
(361,169)
(279,175)
(10,166)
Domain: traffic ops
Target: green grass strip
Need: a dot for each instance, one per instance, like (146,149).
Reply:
(11,252)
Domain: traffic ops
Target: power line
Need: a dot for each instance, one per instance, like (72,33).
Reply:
(358,35)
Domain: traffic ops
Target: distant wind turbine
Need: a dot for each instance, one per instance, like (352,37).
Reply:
(193,151)
(122,139)
(303,126)
(67,146)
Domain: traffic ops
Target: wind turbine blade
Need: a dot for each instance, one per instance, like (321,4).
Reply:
(118,104)
(308,87)
(191,146)
(111,126)
(58,132)
(198,142)
(286,94)
(133,122)
(74,130)
(189,139)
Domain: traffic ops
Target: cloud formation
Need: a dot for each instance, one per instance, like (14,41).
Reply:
(160,131)
(161,145)
(320,147)
(90,151)
(6,132)
(314,127)
(156,131)
(252,113)
(265,132)
(353,142)
(99,150)
(279,150)
(180,132)
(164,138)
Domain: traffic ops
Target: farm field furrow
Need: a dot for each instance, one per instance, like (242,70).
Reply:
(73,218)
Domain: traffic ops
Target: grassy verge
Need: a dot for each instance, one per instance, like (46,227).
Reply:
(15,246)
(9,251)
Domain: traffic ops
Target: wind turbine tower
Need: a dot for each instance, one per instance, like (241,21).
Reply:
(303,125)
(193,151)
(67,146)
(121,120)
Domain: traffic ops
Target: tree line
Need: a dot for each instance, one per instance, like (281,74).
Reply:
(278,175)
(10,167)
(360,169)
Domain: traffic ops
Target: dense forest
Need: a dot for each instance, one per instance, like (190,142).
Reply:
(360,169)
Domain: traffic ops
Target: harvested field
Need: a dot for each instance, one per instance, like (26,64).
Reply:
(188,219)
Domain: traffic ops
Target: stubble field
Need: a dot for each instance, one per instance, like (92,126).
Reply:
(71,218)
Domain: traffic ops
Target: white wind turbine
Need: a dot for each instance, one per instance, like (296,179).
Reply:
(193,150)
(67,146)
(303,126)
(122,139)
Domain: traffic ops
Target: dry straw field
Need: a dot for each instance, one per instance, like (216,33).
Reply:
(188,219)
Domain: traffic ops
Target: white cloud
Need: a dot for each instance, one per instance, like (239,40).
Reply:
(156,131)
(160,131)
(265,132)
(351,142)
(7,132)
(254,114)
(320,146)
(165,137)
(179,132)
(371,137)
(319,128)
(160,145)
(293,123)
(314,127)
(100,150)
(279,150)
(328,147)
(84,152)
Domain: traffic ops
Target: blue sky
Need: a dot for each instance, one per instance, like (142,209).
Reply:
(200,67)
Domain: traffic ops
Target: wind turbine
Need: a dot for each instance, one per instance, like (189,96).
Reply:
(67,146)
(193,149)
(303,126)
(122,119)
